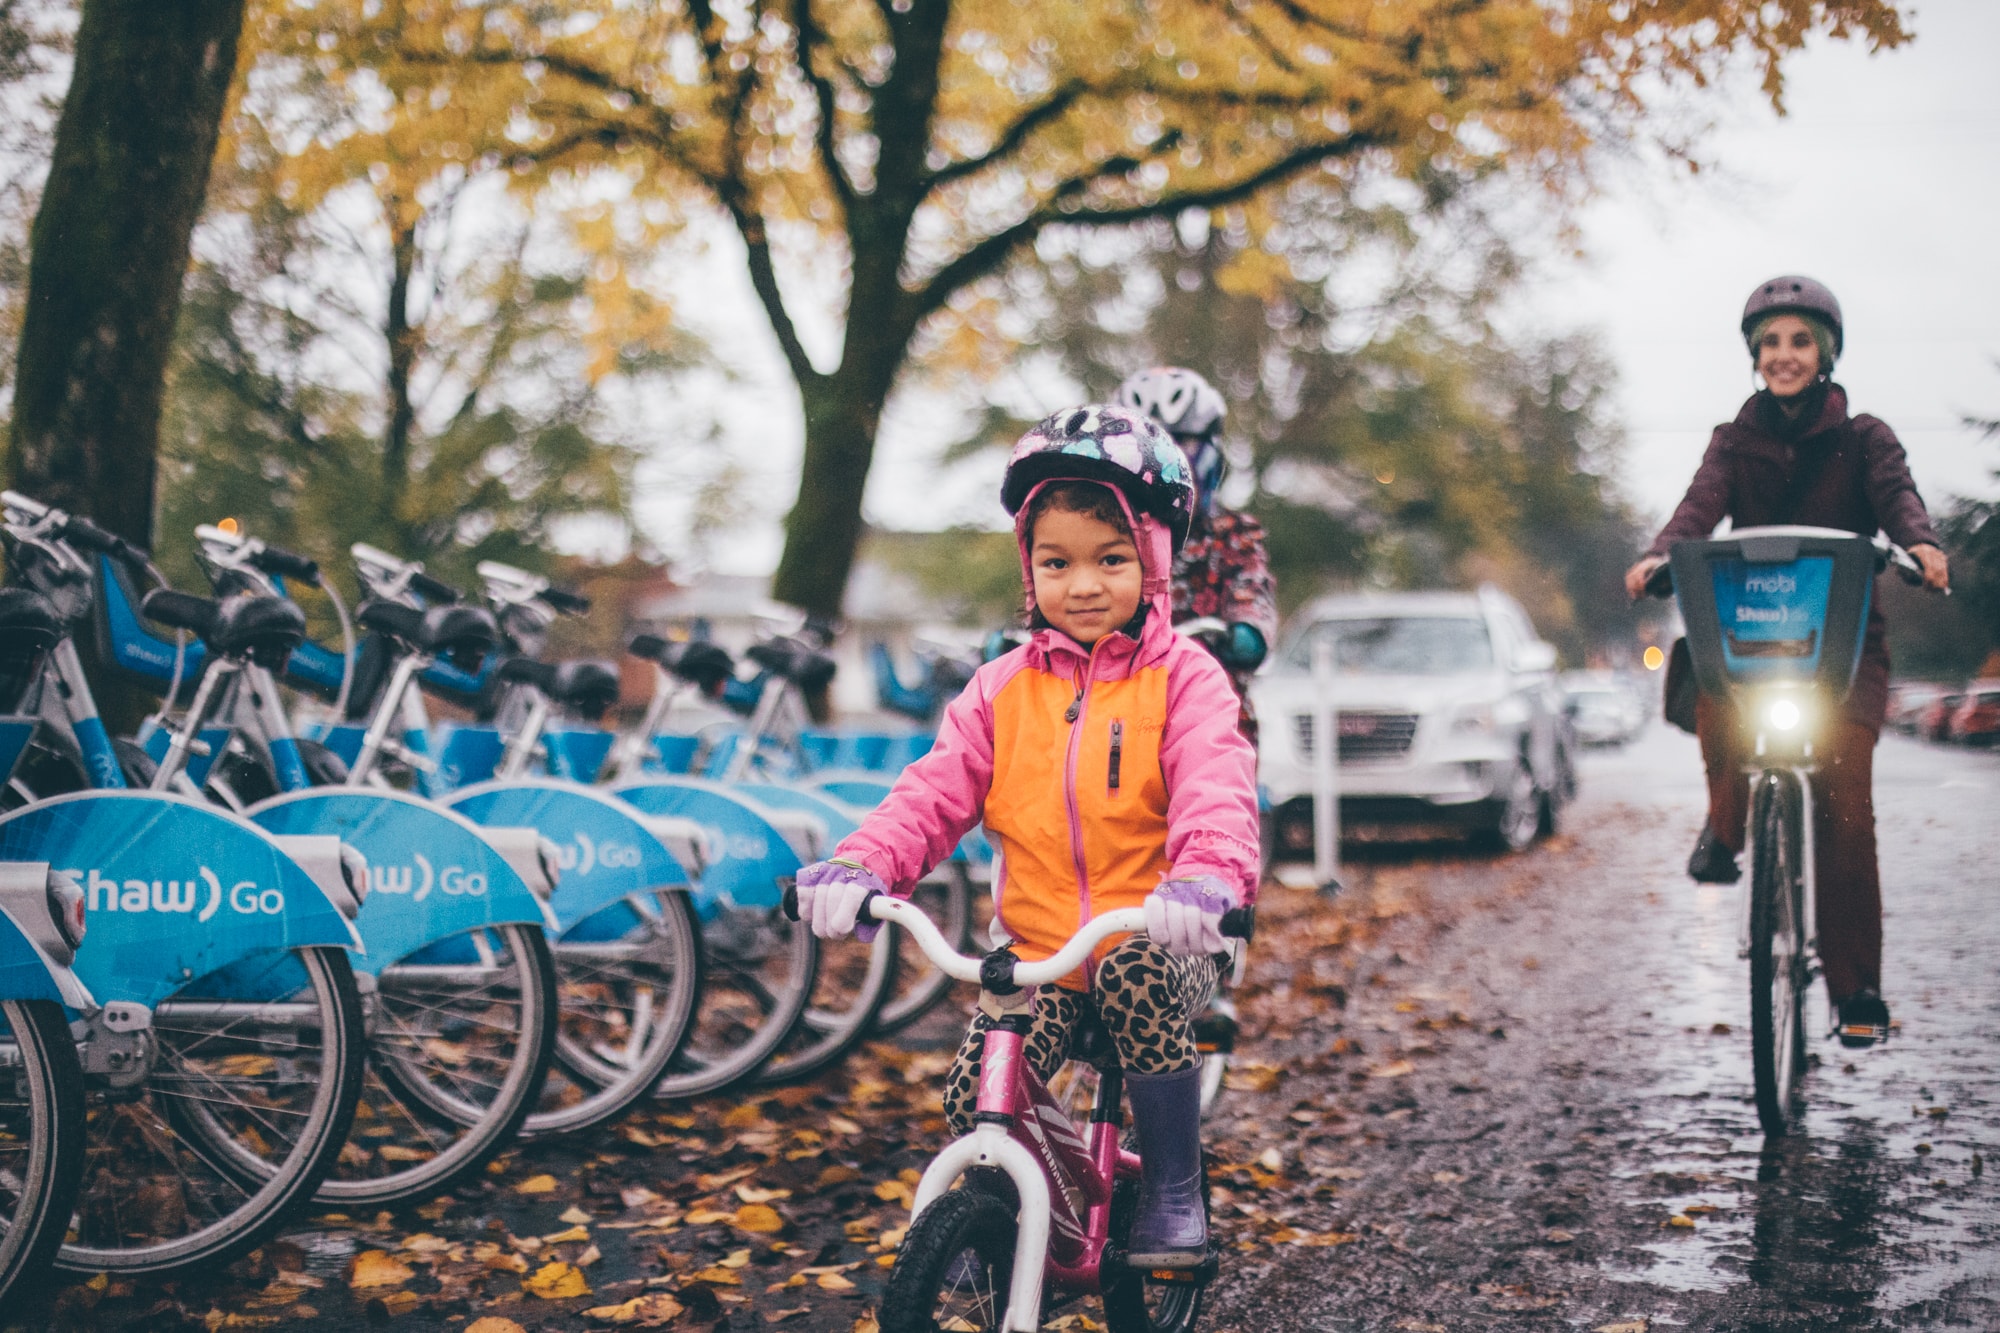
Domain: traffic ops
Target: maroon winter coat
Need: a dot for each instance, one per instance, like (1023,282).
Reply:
(1864,486)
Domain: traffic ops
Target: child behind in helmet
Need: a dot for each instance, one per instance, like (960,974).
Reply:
(1103,759)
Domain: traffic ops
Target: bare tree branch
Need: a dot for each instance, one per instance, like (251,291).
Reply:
(808,39)
(1011,139)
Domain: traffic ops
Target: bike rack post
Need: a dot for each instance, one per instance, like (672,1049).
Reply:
(1326,767)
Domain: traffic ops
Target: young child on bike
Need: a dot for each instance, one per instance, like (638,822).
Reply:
(1104,759)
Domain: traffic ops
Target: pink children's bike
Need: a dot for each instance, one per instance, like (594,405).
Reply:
(1040,1205)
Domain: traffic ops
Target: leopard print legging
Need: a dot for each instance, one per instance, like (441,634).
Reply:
(1146,998)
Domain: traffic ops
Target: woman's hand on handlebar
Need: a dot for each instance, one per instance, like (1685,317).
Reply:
(1937,569)
(1637,576)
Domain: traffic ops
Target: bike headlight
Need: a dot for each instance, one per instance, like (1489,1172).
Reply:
(66,908)
(1784,715)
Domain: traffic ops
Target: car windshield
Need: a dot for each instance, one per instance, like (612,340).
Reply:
(1400,645)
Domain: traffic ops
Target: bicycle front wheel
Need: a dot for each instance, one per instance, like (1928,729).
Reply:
(758,973)
(41,1136)
(954,1267)
(629,978)
(1778,975)
(228,1110)
(459,1047)
(920,983)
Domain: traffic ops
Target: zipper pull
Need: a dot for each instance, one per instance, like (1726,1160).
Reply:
(1117,749)
(1075,706)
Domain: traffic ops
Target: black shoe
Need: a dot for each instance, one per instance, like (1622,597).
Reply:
(1864,1019)
(1712,863)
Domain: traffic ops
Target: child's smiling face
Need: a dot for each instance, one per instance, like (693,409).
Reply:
(1088,581)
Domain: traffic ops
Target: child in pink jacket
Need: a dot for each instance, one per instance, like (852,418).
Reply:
(1104,761)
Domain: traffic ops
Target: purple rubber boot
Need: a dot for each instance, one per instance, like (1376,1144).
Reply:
(1170,1224)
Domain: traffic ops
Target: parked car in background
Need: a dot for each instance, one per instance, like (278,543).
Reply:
(1602,708)
(1976,721)
(1908,701)
(1448,719)
(1934,722)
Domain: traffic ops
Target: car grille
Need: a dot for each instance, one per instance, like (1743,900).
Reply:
(1363,735)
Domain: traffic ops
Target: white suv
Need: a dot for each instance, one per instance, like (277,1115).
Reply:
(1447,711)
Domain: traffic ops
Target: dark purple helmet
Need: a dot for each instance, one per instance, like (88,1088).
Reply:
(1793,295)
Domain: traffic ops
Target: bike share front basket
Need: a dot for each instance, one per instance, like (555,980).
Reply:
(1780,605)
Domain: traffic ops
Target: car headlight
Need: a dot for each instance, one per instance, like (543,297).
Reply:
(1476,718)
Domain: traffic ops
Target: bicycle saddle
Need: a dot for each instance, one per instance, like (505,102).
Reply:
(465,634)
(703,665)
(800,663)
(262,629)
(29,625)
(580,685)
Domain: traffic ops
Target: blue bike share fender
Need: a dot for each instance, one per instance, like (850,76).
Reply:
(431,873)
(748,858)
(605,851)
(865,791)
(175,889)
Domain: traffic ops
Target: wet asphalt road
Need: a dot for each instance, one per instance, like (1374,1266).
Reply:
(1531,1180)
(1475,1093)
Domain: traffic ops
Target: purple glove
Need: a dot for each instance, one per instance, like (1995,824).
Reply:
(830,898)
(1184,916)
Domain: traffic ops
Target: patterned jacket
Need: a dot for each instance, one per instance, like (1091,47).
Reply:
(1222,571)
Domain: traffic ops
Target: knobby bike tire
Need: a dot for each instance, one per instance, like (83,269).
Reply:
(1777,953)
(610,1086)
(330,981)
(479,1131)
(928,1275)
(47,1124)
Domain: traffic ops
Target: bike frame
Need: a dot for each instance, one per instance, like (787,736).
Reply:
(1064,1176)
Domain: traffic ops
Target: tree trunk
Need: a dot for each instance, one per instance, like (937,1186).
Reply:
(824,527)
(109,250)
(402,341)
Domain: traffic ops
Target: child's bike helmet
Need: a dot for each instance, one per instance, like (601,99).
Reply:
(1112,445)
(1177,398)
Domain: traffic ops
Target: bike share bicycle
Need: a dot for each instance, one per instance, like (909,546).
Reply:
(41,926)
(224,1059)
(975,1259)
(1775,619)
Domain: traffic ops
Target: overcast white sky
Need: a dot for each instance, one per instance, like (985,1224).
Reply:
(1883,181)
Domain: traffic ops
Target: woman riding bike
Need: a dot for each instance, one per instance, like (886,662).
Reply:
(1104,760)
(1793,455)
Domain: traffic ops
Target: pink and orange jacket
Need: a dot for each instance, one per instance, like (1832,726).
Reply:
(1097,772)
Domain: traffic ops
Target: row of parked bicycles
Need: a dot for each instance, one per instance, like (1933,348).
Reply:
(293,942)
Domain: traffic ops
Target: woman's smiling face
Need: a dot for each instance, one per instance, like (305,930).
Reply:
(1087,576)
(1787,356)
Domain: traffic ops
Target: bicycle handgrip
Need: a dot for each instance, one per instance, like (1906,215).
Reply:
(1239,923)
(88,535)
(569,603)
(1660,583)
(790,904)
(288,564)
(434,590)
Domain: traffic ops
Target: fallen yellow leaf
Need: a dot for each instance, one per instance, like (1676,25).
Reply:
(752,1194)
(1677,1220)
(425,1243)
(707,1217)
(396,1152)
(1629,1326)
(834,1282)
(537,1185)
(760,1218)
(373,1268)
(1396,1070)
(718,1275)
(564,1237)
(574,1215)
(1271,1161)
(736,1259)
(494,1323)
(895,1191)
(557,1281)
(866,1324)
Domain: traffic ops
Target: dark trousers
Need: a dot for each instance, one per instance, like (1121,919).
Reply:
(1850,886)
